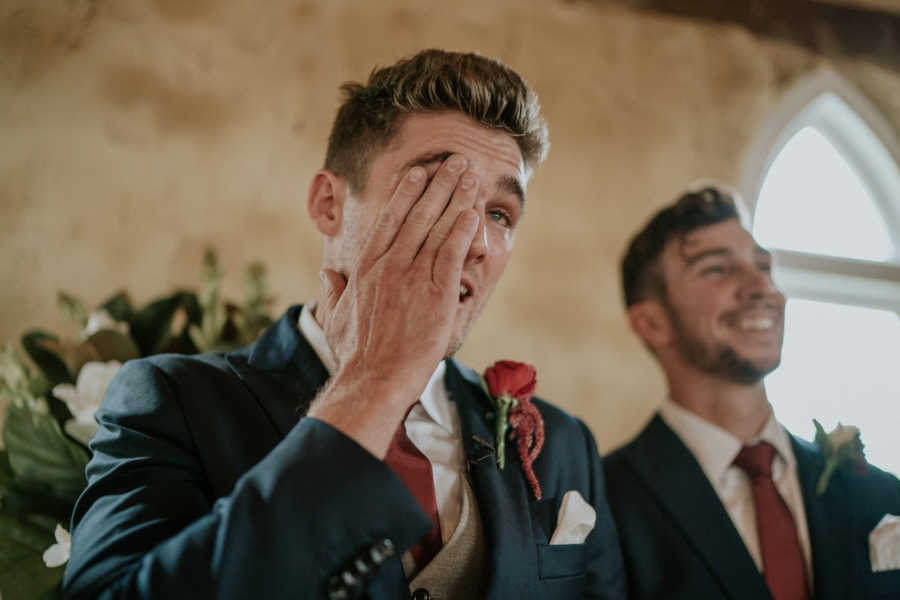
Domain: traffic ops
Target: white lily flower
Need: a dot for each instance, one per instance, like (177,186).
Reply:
(84,398)
(58,554)
(101,319)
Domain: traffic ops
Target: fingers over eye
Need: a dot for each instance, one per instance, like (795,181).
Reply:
(463,199)
(392,215)
(427,210)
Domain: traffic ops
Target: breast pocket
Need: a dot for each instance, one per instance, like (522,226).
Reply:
(561,560)
(885,584)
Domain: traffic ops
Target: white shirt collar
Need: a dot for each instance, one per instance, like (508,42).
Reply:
(439,411)
(713,447)
(316,337)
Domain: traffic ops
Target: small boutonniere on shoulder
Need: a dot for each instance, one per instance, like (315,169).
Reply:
(843,449)
(510,386)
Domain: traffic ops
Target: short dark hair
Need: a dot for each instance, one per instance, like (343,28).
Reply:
(641,275)
(433,80)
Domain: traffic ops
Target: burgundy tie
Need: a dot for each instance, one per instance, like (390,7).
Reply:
(414,470)
(783,564)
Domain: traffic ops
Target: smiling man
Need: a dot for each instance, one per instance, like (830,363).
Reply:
(346,454)
(714,499)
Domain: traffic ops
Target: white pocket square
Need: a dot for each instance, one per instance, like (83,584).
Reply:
(575,521)
(884,544)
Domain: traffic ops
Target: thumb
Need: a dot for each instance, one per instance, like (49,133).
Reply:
(333,285)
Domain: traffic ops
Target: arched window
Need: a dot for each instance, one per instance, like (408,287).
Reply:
(823,185)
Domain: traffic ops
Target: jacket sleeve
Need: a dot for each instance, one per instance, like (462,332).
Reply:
(147,525)
(605,567)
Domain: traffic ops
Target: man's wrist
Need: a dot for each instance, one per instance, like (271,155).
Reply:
(365,407)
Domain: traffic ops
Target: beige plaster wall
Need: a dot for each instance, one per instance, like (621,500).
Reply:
(133,134)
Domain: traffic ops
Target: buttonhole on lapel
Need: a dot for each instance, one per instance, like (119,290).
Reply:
(482,443)
(482,450)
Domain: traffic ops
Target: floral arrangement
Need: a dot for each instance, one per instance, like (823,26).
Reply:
(50,404)
(510,385)
(842,448)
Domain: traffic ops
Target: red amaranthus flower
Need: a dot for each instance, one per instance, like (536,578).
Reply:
(511,385)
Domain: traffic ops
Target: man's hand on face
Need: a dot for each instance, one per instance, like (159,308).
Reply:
(390,322)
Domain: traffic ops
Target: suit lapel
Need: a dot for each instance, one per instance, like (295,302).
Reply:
(282,371)
(828,522)
(503,500)
(675,478)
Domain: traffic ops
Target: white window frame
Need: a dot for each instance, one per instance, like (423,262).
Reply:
(828,102)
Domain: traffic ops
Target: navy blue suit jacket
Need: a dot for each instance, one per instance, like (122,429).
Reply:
(679,542)
(207,481)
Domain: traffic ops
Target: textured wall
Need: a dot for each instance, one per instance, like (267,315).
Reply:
(133,134)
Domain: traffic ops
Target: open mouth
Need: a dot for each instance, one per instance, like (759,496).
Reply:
(465,292)
(756,324)
(760,320)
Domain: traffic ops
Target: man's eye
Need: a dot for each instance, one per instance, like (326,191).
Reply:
(501,216)
(714,270)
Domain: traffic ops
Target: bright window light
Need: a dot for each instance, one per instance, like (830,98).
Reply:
(812,200)
(839,364)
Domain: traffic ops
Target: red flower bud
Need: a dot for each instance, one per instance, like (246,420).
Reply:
(512,378)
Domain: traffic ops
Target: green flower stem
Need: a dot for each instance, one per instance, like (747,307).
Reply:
(830,465)
(501,424)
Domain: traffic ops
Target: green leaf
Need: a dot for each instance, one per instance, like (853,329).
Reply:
(151,326)
(23,541)
(26,577)
(52,366)
(112,345)
(821,439)
(119,307)
(42,458)
(21,536)
(72,308)
(32,503)
(6,474)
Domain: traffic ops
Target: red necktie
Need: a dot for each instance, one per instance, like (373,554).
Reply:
(783,564)
(414,470)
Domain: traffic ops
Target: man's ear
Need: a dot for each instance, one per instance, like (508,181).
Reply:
(325,201)
(650,321)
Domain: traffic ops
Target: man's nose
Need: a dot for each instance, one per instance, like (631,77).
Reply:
(479,248)
(757,283)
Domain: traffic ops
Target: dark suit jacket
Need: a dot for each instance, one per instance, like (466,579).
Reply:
(206,481)
(679,542)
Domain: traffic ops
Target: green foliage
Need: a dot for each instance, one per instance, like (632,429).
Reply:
(151,326)
(23,574)
(207,336)
(225,326)
(254,317)
(16,383)
(41,474)
(119,307)
(53,367)
(72,308)
(42,468)
(42,458)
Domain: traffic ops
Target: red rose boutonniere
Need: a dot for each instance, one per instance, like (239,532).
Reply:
(510,385)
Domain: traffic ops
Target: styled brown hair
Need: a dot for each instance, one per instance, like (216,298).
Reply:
(641,276)
(432,80)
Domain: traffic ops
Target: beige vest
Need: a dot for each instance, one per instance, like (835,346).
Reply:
(459,570)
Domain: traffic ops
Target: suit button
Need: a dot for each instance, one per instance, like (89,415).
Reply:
(421,594)
(381,551)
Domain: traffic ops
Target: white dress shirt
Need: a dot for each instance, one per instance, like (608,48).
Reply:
(715,450)
(432,426)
